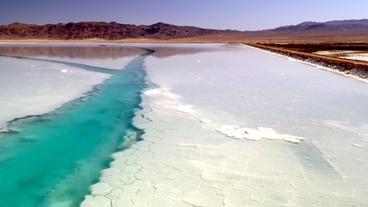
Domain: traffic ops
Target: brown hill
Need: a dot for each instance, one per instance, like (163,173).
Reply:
(102,30)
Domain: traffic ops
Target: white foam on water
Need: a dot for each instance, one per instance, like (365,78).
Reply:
(167,99)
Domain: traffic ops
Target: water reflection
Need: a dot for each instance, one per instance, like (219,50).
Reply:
(105,51)
(67,51)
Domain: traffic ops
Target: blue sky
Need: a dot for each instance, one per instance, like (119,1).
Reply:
(232,14)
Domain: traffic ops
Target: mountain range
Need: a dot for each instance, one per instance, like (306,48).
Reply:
(330,27)
(101,30)
(163,31)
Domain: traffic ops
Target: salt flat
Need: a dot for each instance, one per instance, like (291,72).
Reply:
(185,159)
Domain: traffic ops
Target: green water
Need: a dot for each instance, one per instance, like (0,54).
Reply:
(53,159)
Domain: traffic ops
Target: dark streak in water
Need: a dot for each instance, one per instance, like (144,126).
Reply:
(78,65)
(312,159)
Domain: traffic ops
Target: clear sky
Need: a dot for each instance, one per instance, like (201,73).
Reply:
(222,14)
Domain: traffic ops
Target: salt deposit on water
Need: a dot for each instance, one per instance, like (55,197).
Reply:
(170,100)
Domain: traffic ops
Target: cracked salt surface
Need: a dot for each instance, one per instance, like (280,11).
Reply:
(184,160)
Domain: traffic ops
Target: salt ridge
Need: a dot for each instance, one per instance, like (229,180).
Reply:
(165,98)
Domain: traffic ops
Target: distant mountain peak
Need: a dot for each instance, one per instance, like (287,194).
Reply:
(326,28)
(308,23)
(17,24)
(161,24)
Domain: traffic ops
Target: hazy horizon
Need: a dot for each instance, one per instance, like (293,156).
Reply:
(233,14)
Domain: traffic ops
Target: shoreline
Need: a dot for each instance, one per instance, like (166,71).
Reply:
(320,62)
(133,40)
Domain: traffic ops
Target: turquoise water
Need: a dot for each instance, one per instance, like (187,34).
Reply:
(51,160)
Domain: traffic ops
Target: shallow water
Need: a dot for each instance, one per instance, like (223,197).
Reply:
(201,98)
(52,159)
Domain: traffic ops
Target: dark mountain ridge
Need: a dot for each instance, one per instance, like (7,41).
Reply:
(116,31)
